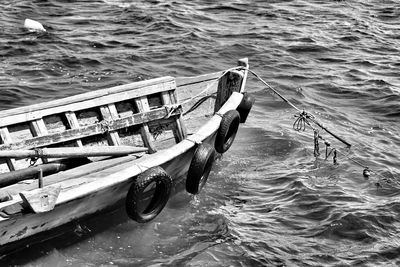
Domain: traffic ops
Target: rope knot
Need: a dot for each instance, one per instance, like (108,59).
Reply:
(301,121)
(105,126)
(171,109)
(35,158)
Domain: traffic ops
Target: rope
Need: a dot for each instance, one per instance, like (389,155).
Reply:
(303,119)
(275,91)
(38,154)
(316,144)
(301,122)
(366,170)
(105,126)
(211,84)
(171,109)
(198,103)
(303,116)
(213,95)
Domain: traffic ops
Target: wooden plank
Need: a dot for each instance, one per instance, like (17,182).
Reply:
(142,105)
(126,172)
(70,174)
(180,123)
(6,139)
(89,130)
(178,129)
(229,83)
(86,101)
(73,124)
(41,199)
(244,62)
(109,113)
(38,128)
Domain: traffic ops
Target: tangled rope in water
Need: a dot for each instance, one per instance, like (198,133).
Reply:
(304,119)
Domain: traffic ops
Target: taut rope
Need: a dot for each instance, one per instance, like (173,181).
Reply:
(304,118)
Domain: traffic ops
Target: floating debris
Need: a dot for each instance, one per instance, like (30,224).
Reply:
(34,26)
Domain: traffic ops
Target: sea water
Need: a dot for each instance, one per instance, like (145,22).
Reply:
(268,201)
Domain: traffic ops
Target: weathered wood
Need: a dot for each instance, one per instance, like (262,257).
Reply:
(110,113)
(229,83)
(42,199)
(143,106)
(244,62)
(73,124)
(38,128)
(178,125)
(72,152)
(6,139)
(76,169)
(86,190)
(90,130)
(13,177)
(87,100)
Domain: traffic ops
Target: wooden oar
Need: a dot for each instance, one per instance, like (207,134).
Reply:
(13,177)
(73,152)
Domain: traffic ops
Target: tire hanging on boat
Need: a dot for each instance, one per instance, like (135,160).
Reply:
(227,131)
(245,106)
(200,167)
(148,194)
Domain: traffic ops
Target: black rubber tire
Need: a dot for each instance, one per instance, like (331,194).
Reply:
(227,131)
(200,167)
(245,106)
(162,184)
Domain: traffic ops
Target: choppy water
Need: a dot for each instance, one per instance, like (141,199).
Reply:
(267,202)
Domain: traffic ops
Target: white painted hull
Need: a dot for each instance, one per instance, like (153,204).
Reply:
(96,196)
(104,188)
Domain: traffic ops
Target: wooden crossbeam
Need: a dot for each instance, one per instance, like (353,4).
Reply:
(73,124)
(179,130)
(6,139)
(109,113)
(142,105)
(87,100)
(89,130)
(38,128)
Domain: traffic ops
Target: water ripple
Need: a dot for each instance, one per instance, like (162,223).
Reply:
(268,201)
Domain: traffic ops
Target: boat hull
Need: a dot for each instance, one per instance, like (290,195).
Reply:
(93,188)
(22,229)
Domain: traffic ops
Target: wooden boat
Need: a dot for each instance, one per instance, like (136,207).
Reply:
(131,144)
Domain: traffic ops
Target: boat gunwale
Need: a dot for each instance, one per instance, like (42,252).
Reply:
(162,156)
(85,100)
(153,160)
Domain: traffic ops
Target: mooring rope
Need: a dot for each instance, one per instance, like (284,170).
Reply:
(198,103)
(210,85)
(304,118)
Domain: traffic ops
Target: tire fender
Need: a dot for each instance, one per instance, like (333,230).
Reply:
(227,131)
(245,106)
(148,194)
(200,167)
